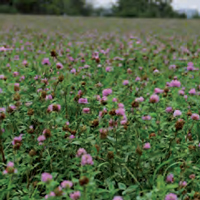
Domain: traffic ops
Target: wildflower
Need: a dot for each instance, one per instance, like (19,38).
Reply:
(185,97)
(120,111)
(192,91)
(10,169)
(11,108)
(54,107)
(59,65)
(46,177)
(158,90)
(16,87)
(177,113)
(172,67)
(108,69)
(154,98)
(80,152)
(170,178)
(123,122)
(49,97)
(191,68)
(114,100)
(86,160)
(195,116)
(25,63)
(2,49)
(169,109)
(15,74)
(137,79)
(71,137)
(22,78)
(183,183)
(140,99)
(107,92)
(46,133)
(125,82)
(41,139)
(129,71)
(75,195)
(86,110)
(51,194)
(17,141)
(147,146)
(83,101)
(103,133)
(192,176)
(156,71)
(66,184)
(117,198)
(171,196)
(46,61)
(181,92)
(73,71)
(146,117)
(2,76)
(175,83)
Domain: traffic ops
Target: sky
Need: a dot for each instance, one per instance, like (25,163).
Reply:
(177,4)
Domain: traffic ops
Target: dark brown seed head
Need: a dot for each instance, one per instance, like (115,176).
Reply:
(138,151)
(61,78)
(30,112)
(83,83)
(17,146)
(16,88)
(83,181)
(95,123)
(47,133)
(2,116)
(110,155)
(55,108)
(65,128)
(43,94)
(73,132)
(16,97)
(53,54)
(58,192)
(189,113)
(179,124)
(112,112)
(97,147)
(166,90)
(35,184)
(32,152)
(152,135)
(103,134)
(191,147)
(10,170)
(135,104)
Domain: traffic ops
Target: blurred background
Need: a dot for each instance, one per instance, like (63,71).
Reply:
(115,8)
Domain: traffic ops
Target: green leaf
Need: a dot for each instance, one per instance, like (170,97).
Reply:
(121,186)
(130,189)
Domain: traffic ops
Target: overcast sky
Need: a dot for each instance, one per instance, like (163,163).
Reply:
(176,3)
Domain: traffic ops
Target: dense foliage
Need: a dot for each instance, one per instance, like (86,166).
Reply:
(99,114)
(145,8)
(123,8)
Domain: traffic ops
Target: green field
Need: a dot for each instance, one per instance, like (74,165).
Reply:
(99,108)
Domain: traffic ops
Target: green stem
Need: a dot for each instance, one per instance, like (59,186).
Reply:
(9,184)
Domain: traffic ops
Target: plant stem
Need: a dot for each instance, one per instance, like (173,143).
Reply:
(1,147)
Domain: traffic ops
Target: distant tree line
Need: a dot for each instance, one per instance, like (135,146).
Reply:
(123,8)
(54,7)
(146,8)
